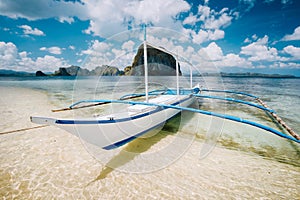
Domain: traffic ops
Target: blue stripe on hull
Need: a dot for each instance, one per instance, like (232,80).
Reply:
(125,141)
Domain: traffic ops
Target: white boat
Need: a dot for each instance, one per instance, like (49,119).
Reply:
(114,130)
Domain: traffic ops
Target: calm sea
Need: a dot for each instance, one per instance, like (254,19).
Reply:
(280,94)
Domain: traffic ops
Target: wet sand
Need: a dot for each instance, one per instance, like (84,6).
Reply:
(49,163)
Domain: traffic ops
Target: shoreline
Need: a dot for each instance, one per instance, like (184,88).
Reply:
(51,163)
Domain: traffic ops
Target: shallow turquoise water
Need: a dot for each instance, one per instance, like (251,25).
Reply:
(282,95)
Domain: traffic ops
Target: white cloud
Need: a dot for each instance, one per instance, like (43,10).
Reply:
(8,54)
(69,20)
(253,38)
(52,50)
(289,65)
(99,53)
(212,19)
(118,52)
(47,63)
(10,58)
(234,60)
(156,12)
(205,36)
(294,36)
(128,45)
(203,12)
(106,17)
(98,47)
(222,21)
(247,40)
(72,47)
(121,13)
(285,65)
(42,9)
(212,52)
(191,19)
(27,30)
(293,51)
(259,51)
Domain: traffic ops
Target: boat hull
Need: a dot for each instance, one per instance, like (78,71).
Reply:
(114,132)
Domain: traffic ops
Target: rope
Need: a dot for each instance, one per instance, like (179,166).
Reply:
(280,121)
(23,129)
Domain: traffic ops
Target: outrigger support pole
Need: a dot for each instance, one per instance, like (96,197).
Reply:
(280,121)
(273,114)
(204,112)
(236,101)
(229,91)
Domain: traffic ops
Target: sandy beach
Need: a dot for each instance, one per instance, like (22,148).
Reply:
(49,163)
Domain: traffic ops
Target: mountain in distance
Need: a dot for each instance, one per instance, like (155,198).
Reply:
(6,72)
(103,70)
(159,62)
(113,71)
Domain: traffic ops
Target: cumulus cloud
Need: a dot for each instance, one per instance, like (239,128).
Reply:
(210,21)
(124,12)
(260,51)
(97,54)
(8,54)
(213,52)
(209,18)
(155,11)
(293,36)
(293,51)
(11,58)
(289,65)
(214,55)
(234,60)
(106,17)
(27,30)
(52,50)
(252,39)
(205,36)
(191,20)
(128,45)
(42,9)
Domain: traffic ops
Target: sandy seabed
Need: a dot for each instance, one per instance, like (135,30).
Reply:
(49,163)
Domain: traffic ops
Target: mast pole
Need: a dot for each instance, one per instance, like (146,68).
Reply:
(177,74)
(191,77)
(146,65)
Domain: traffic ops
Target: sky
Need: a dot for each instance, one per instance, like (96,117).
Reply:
(260,36)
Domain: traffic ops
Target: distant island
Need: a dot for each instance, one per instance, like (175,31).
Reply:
(249,75)
(114,71)
(159,64)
